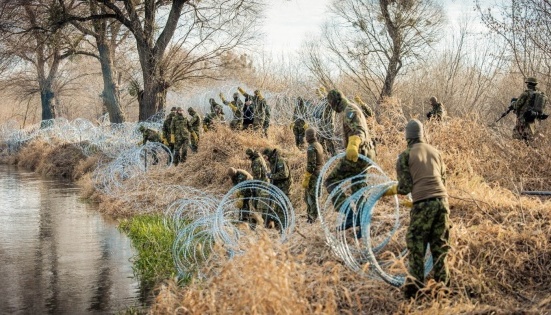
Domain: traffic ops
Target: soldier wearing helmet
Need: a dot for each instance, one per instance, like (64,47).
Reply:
(236,106)
(527,110)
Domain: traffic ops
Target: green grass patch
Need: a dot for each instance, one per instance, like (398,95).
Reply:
(153,241)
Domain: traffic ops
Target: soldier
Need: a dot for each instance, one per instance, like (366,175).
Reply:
(259,172)
(259,107)
(166,129)
(366,110)
(216,109)
(179,135)
(327,128)
(437,111)
(299,124)
(280,176)
(422,173)
(248,114)
(195,126)
(237,108)
(267,118)
(153,136)
(244,195)
(314,162)
(357,141)
(529,107)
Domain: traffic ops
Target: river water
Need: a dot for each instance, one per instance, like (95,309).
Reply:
(58,255)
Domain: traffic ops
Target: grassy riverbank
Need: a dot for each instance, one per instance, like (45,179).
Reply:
(500,258)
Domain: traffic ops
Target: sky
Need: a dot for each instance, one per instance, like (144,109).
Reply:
(289,22)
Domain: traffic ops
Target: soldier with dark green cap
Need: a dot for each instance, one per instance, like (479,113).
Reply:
(314,162)
(259,172)
(243,195)
(179,135)
(529,107)
(152,136)
(195,126)
(357,140)
(422,172)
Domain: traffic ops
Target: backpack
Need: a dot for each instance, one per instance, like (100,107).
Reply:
(538,101)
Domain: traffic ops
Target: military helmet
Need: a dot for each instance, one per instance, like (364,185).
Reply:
(249,152)
(433,99)
(232,171)
(235,95)
(142,128)
(173,109)
(190,110)
(531,80)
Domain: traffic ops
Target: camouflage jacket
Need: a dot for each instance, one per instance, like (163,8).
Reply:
(354,124)
(166,125)
(267,115)
(279,169)
(217,110)
(150,135)
(180,127)
(314,158)
(299,114)
(258,166)
(366,110)
(423,180)
(195,123)
(437,111)
(522,105)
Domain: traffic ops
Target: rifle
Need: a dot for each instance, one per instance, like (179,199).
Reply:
(513,100)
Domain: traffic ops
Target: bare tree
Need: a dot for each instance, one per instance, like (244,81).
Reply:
(27,37)
(373,41)
(525,25)
(204,29)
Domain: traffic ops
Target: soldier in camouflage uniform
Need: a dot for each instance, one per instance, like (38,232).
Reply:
(422,173)
(179,135)
(299,125)
(267,119)
(248,114)
(280,176)
(314,163)
(166,129)
(153,136)
(216,109)
(237,108)
(259,172)
(525,127)
(327,125)
(437,111)
(244,195)
(259,107)
(357,141)
(195,126)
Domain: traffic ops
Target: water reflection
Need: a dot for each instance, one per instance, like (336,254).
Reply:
(57,254)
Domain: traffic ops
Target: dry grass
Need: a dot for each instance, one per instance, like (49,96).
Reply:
(500,260)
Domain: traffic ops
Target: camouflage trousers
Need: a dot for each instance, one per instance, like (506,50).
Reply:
(524,130)
(236,124)
(310,199)
(299,136)
(194,141)
(180,150)
(429,224)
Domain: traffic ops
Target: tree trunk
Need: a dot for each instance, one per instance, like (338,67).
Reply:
(48,108)
(153,97)
(110,94)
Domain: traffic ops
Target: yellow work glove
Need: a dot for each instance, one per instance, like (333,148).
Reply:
(194,136)
(291,126)
(205,129)
(172,138)
(391,191)
(306,180)
(306,126)
(241,91)
(323,90)
(352,150)
(233,107)
(406,203)
(222,97)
